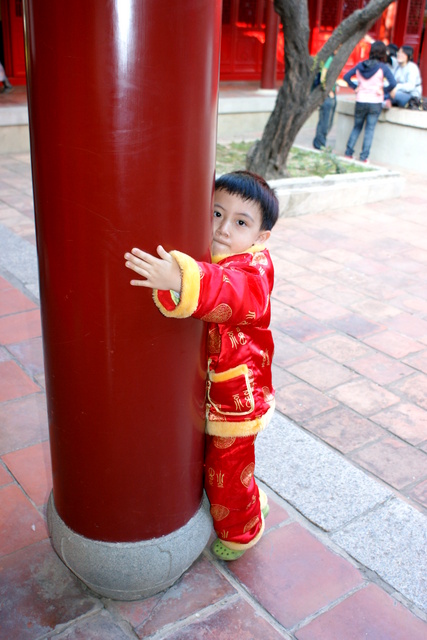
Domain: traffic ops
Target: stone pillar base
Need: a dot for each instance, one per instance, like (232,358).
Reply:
(130,570)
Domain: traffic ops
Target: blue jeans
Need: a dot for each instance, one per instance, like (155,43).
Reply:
(369,112)
(324,124)
(401,98)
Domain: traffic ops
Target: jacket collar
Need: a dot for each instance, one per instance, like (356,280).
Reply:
(256,248)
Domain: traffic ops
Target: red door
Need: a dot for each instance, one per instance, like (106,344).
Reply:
(13,40)
(242,40)
(400,23)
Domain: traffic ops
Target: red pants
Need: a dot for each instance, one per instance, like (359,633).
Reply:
(232,490)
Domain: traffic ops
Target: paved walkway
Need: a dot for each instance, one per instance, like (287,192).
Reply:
(344,461)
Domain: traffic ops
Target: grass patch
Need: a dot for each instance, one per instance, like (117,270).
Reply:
(301,163)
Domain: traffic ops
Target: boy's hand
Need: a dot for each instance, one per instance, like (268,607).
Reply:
(160,273)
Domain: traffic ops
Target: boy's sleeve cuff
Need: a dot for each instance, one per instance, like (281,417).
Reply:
(190,290)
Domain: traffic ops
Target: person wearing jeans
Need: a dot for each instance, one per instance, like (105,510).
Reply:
(326,110)
(365,112)
(369,89)
(326,118)
(407,76)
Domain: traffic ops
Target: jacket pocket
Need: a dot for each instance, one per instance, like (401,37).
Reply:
(229,393)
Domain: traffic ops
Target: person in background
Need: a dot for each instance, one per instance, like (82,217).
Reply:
(326,110)
(392,50)
(392,63)
(407,76)
(7,87)
(370,75)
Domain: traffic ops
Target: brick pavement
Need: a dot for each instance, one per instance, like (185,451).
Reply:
(356,334)
(350,325)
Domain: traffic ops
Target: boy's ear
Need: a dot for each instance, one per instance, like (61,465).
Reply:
(263,236)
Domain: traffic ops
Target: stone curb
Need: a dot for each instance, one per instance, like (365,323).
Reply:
(357,512)
(301,196)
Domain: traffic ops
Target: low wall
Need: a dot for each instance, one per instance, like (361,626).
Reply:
(14,135)
(400,137)
(243,115)
(300,196)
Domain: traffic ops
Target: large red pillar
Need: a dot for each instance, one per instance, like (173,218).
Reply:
(423,65)
(269,56)
(401,21)
(122,106)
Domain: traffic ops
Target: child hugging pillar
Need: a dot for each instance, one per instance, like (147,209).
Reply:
(122,109)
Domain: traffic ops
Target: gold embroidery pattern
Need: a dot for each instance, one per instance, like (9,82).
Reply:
(252,502)
(214,417)
(220,480)
(265,358)
(214,340)
(221,313)
(223,443)
(211,474)
(219,512)
(268,396)
(219,476)
(238,403)
(248,399)
(247,474)
(233,339)
(259,258)
(238,376)
(241,336)
(251,524)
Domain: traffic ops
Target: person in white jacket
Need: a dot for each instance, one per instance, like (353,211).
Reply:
(407,76)
(5,80)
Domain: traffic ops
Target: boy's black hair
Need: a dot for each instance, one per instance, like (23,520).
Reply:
(250,186)
(378,51)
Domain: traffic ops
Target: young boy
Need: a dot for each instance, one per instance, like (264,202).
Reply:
(233,296)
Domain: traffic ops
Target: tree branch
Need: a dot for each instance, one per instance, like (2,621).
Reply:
(358,21)
(344,39)
(294,17)
(297,99)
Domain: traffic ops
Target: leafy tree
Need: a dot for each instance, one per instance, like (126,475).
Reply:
(296,99)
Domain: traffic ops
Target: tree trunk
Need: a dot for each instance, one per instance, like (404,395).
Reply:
(268,156)
(297,99)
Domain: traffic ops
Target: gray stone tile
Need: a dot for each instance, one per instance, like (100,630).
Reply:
(38,594)
(319,482)
(19,257)
(98,627)
(392,540)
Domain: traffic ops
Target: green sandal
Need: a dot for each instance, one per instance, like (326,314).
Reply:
(224,553)
(264,500)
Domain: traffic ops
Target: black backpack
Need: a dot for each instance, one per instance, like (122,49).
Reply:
(417,104)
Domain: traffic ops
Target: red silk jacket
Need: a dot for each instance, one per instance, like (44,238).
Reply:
(233,296)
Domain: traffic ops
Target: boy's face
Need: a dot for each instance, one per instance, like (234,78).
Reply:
(236,224)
